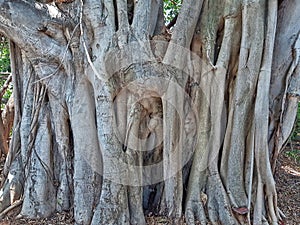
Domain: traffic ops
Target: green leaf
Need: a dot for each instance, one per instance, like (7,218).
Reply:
(171,9)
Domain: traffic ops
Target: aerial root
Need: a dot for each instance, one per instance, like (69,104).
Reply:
(219,208)
(11,193)
(273,213)
(281,214)
(195,212)
(271,201)
(11,207)
(214,202)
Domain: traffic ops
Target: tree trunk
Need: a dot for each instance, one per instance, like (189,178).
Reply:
(116,116)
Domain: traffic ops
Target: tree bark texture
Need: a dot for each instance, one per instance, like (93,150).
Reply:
(116,116)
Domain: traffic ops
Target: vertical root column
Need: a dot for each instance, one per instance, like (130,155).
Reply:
(172,155)
(113,203)
(62,157)
(134,161)
(39,194)
(87,157)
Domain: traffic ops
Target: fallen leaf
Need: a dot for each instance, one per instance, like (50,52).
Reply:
(241,210)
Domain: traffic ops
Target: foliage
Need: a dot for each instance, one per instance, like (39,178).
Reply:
(4,68)
(4,55)
(295,137)
(171,9)
(296,132)
(294,153)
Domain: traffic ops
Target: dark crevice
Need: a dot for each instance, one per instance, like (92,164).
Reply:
(219,39)
(130,10)
(186,171)
(279,2)
(116,15)
(69,164)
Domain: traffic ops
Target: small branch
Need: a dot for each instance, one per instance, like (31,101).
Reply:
(174,3)
(281,213)
(5,86)
(172,22)
(5,73)
(14,205)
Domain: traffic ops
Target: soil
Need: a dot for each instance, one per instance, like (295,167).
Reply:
(287,178)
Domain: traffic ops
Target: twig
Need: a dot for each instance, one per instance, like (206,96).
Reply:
(14,205)
(281,213)
(172,22)
(174,3)
(5,86)
(5,73)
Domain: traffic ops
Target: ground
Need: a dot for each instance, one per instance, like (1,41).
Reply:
(287,177)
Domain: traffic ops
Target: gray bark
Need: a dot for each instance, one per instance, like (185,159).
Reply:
(116,117)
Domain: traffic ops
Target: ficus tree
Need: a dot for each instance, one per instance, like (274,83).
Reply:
(117,116)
